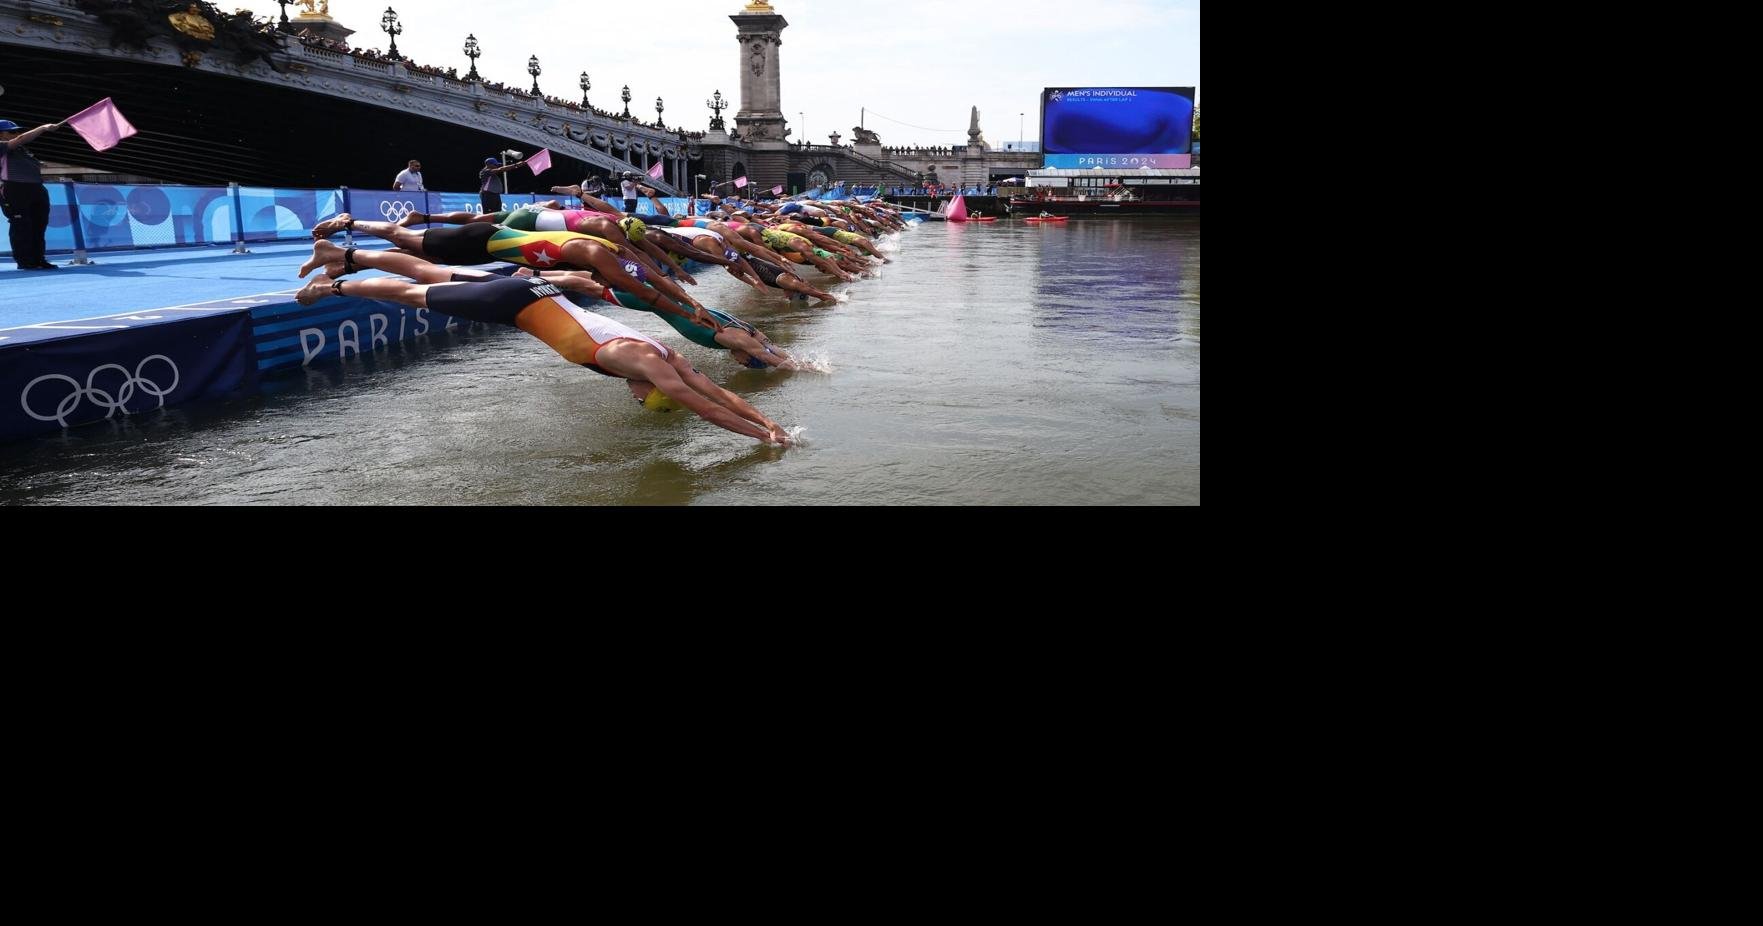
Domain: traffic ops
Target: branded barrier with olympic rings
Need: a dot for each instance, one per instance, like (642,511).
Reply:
(116,217)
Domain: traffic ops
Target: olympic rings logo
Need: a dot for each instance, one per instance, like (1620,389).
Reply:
(394,210)
(102,398)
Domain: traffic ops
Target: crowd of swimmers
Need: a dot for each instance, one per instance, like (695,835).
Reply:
(579,258)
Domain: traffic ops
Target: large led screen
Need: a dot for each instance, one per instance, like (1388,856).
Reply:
(1109,127)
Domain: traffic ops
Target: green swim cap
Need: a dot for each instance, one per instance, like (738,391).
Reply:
(634,229)
(659,402)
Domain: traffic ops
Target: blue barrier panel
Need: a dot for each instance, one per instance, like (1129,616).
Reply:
(116,217)
(285,215)
(59,236)
(453,202)
(78,380)
(384,205)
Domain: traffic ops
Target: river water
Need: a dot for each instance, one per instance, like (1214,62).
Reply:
(1001,364)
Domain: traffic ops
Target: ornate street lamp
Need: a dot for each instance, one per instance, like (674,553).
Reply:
(473,52)
(586,86)
(627,101)
(716,106)
(390,25)
(532,67)
(658,108)
(284,26)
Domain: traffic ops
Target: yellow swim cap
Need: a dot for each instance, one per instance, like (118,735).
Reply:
(633,227)
(659,402)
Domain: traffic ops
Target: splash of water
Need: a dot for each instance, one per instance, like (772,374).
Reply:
(813,363)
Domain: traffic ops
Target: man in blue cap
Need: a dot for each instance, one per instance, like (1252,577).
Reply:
(492,200)
(22,195)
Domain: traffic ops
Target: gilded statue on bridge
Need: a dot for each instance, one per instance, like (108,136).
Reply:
(323,7)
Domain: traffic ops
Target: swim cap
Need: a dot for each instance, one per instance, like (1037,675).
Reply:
(659,402)
(634,229)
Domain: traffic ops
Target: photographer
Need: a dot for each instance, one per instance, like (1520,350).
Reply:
(629,188)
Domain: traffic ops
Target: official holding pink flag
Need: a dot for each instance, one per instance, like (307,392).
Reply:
(23,196)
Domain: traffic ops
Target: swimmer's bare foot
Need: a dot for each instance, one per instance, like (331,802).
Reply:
(323,253)
(412,218)
(319,288)
(331,226)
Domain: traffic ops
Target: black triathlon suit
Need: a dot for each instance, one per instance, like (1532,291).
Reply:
(459,244)
(494,301)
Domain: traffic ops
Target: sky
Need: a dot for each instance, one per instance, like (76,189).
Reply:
(918,66)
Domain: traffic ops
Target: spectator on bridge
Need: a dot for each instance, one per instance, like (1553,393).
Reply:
(409,180)
(23,197)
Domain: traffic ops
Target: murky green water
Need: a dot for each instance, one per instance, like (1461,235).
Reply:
(1001,364)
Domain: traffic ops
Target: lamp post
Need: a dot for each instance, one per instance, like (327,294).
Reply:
(627,100)
(532,67)
(1019,138)
(586,86)
(716,105)
(804,127)
(390,25)
(658,110)
(473,52)
(284,26)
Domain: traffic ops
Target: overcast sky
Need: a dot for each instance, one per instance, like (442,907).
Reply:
(918,65)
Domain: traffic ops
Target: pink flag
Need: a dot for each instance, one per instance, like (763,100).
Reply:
(540,162)
(777,191)
(740,182)
(656,171)
(101,125)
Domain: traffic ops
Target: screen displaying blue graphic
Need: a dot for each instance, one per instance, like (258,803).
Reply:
(1116,126)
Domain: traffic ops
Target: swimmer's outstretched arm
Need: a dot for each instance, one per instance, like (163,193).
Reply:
(645,365)
(721,396)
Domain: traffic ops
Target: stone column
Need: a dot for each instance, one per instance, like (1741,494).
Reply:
(761,119)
